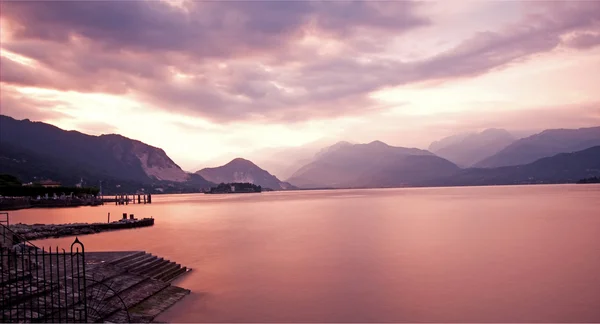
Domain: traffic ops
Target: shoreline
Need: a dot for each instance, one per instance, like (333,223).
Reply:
(21,207)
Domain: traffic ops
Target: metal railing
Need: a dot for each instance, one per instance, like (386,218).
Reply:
(47,285)
(40,285)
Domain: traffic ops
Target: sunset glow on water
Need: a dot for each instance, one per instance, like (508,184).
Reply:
(487,254)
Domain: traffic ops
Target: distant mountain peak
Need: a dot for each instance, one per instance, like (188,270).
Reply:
(342,143)
(242,170)
(377,143)
(495,131)
(241,161)
(375,164)
(332,148)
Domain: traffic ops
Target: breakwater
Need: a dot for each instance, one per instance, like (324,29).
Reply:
(42,231)
(15,203)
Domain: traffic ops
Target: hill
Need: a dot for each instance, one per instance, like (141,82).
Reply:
(241,170)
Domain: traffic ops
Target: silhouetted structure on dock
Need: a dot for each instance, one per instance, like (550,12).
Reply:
(129,199)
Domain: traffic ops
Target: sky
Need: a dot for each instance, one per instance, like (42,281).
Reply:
(209,81)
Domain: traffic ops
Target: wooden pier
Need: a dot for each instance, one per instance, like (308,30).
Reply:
(127,199)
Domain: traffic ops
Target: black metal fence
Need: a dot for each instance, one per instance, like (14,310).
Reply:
(51,285)
(40,285)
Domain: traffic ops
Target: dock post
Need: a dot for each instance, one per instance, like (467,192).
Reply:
(139,199)
(144,199)
(108,217)
(149,198)
(126,199)
(124,215)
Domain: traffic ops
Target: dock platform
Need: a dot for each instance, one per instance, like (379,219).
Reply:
(42,231)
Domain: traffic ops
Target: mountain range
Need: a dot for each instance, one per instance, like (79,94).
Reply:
(545,144)
(560,168)
(34,151)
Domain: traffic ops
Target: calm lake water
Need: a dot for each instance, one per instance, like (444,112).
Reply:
(486,254)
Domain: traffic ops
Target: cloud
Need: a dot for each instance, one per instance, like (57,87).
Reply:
(96,128)
(584,40)
(197,28)
(20,106)
(230,61)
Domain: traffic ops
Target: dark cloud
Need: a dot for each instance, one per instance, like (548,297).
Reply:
(137,47)
(584,40)
(200,28)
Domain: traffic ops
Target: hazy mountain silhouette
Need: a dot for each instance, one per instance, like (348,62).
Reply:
(370,165)
(545,144)
(282,162)
(467,149)
(241,170)
(561,168)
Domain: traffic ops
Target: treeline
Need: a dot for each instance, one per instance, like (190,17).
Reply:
(11,186)
(235,187)
(589,180)
(34,191)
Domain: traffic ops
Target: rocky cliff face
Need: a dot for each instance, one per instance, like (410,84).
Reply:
(157,164)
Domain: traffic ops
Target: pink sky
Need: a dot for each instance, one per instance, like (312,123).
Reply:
(209,81)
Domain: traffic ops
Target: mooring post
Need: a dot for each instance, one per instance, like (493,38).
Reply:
(108,217)
(149,198)
(124,215)
(139,198)
(144,198)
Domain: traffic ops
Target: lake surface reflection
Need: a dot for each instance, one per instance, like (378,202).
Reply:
(485,254)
